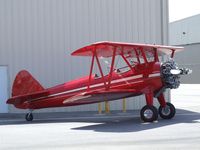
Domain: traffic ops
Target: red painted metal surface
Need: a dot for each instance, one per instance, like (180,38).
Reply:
(141,78)
(105,48)
(161,100)
(24,83)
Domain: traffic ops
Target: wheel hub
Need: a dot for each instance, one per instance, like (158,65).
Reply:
(166,110)
(148,114)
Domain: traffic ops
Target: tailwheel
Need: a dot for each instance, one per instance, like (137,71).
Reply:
(29,117)
(167,112)
(149,113)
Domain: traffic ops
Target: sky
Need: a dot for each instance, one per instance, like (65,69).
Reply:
(179,9)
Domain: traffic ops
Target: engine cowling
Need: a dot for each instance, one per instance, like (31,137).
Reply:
(171,80)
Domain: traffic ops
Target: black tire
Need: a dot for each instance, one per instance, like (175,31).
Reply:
(29,117)
(168,112)
(149,113)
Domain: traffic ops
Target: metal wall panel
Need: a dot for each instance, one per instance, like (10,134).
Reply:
(190,58)
(3,89)
(39,35)
(185,31)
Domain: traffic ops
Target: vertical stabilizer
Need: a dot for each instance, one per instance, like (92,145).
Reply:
(24,83)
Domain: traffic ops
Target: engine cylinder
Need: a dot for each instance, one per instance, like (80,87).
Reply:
(171,81)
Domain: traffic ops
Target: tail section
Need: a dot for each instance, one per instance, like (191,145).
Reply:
(24,83)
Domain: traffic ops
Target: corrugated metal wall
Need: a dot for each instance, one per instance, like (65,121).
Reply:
(185,31)
(190,58)
(39,35)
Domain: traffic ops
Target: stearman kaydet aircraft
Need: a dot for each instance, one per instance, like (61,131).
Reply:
(142,72)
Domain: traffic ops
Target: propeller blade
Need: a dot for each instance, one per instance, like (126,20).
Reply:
(185,71)
(190,71)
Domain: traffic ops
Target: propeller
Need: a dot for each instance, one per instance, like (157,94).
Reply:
(182,71)
(185,71)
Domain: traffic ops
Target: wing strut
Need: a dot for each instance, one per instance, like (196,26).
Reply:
(112,66)
(91,68)
(100,69)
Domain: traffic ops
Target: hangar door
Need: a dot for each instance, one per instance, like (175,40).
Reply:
(3,89)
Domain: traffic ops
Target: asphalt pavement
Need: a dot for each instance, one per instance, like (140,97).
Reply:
(114,131)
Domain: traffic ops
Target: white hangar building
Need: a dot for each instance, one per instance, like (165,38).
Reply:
(186,33)
(40,35)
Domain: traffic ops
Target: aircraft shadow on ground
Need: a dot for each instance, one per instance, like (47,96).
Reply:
(127,124)
(135,124)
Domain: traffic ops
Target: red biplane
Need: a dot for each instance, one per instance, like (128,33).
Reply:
(141,72)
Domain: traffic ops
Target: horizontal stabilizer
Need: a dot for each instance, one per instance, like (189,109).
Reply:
(17,100)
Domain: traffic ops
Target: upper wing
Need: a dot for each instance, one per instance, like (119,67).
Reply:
(105,49)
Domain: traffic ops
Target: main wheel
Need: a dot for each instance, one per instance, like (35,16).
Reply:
(167,112)
(149,113)
(29,117)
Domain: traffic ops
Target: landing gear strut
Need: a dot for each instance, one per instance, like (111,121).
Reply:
(166,109)
(29,116)
(149,113)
